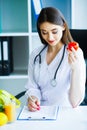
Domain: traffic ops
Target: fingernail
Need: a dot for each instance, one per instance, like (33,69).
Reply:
(38,108)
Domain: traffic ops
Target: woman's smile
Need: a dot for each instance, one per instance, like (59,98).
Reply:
(51,41)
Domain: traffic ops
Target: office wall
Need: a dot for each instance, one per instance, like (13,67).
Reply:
(79,14)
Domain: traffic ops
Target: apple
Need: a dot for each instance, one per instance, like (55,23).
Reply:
(75,45)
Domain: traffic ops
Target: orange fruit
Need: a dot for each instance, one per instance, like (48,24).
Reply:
(3,118)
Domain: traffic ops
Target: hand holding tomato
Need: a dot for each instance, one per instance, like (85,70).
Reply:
(73,54)
(73,44)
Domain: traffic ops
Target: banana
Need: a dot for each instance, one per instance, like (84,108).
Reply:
(6,98)
(5,93)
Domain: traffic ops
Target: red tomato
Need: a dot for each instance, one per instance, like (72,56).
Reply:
(75,45)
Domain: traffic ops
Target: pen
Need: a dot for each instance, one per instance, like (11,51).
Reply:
(31,99)
(38,108)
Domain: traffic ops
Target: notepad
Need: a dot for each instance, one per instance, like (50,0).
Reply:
(45,113)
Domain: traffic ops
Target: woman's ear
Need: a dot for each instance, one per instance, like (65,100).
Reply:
(64,26)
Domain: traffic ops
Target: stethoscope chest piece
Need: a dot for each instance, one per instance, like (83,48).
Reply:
(53,82)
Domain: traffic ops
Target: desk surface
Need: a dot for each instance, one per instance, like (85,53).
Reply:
(68,119)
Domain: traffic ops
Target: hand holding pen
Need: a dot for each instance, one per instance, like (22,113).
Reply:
(33,103)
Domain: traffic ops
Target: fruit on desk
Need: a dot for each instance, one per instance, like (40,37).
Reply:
(3,118)
(4,99)
(75,45)
(1,108)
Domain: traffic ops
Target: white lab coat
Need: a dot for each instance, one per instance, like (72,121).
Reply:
(40,77)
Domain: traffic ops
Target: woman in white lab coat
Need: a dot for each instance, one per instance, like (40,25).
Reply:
(56,75)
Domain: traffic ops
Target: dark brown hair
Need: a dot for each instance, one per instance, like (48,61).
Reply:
(54,16)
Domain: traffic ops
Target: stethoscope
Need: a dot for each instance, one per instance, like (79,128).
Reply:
(53,81)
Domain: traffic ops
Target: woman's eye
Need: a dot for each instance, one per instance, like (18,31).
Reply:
(55,32)
(44,33)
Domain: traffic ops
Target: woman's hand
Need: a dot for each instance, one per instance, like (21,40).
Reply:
(74,58)
(33,103)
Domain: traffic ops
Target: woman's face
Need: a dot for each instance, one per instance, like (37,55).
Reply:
(51,33)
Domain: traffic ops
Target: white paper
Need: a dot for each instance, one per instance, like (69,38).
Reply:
(45,113)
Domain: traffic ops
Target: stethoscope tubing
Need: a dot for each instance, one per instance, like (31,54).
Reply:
(39,55)
(59,63)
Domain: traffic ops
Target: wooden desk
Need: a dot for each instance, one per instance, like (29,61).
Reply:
(68,119)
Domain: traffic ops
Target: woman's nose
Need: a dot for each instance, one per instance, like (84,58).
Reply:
(50,36)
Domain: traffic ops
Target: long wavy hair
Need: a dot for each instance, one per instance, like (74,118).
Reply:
(54,16)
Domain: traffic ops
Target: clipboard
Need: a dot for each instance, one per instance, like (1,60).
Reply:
(45,113)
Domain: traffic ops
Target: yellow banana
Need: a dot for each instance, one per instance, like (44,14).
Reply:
(6,98)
